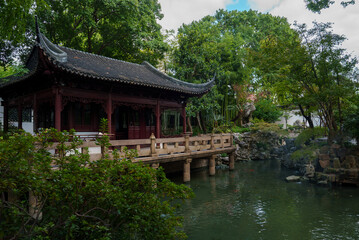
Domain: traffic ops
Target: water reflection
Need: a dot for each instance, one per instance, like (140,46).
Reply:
(254,202)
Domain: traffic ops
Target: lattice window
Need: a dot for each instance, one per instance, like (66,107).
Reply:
(26,115)
(12,115)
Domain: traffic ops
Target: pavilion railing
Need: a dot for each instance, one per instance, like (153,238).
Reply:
(154,147)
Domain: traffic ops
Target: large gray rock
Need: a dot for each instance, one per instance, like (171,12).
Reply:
(292,178)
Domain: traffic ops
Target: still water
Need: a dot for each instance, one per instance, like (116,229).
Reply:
(255,202)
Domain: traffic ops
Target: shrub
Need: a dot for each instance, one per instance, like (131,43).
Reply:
(309,134)
(306,155)
(267,111)
(79,199)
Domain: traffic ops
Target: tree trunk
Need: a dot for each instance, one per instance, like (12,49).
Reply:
(203,124)
(199,121)
(307,117)
(189,124)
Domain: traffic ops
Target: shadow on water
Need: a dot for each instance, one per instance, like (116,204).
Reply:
(255,202)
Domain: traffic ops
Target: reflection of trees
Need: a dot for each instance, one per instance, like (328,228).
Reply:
(255,202)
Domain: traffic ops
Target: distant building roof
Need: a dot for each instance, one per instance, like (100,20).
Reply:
(104,68)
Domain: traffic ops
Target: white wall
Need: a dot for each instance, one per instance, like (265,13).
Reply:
(295,115)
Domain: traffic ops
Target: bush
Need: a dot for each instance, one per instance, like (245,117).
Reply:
(79,199)
(306,155)
(230,128)
(267,111)
(309,134)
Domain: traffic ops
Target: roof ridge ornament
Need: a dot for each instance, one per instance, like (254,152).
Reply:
(52,49)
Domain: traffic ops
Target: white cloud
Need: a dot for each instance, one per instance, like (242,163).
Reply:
(264,5)
(345,20)
(177,12)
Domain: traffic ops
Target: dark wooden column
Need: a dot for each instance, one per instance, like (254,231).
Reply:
(58,109)
(34,109)
(158,120)
(71,115)
(184,118)
(6,116)
(19,116)
(109,112)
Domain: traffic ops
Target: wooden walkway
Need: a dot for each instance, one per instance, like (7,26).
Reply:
(161,150)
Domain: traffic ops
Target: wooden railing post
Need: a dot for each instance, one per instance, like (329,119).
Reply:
(153,145)
(222,141)
(186,136)
(187,170)
(231,140)
(212,142)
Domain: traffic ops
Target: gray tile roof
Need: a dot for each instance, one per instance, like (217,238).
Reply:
(108,69)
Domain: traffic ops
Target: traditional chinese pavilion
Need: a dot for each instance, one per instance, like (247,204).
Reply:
(70,89)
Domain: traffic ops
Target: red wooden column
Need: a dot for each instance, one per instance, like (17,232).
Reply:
(34,109)
(109,113)
(71,116)
(6,116)
(58,109)
(19,116)
(158,120)
(184,118)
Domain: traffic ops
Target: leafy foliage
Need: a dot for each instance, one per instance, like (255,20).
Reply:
(82,199)
(351,118)
(311,71)
(318,5)
(305,155)
(309,134)
(267,111)
(12,70)
(221,45)
(126,30)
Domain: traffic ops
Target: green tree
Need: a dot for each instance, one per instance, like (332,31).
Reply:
(267,111)
(81,199)
(311,70)
(126,30)
(221,45)
(318,5)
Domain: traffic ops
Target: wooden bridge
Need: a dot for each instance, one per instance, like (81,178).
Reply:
(163,150)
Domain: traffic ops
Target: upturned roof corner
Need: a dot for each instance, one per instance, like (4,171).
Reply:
(104,68)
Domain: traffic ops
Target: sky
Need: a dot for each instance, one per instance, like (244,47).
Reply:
(345,20)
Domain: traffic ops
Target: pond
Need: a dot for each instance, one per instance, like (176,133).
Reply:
(255,202)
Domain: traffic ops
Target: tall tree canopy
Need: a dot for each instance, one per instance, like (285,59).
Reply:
(125,30)
(310,70)
(221,45)
(318,5)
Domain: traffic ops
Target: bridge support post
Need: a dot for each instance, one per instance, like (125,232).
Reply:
(231,161)
(187,170)
(212,165)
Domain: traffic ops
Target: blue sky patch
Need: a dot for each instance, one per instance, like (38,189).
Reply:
(239,5)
